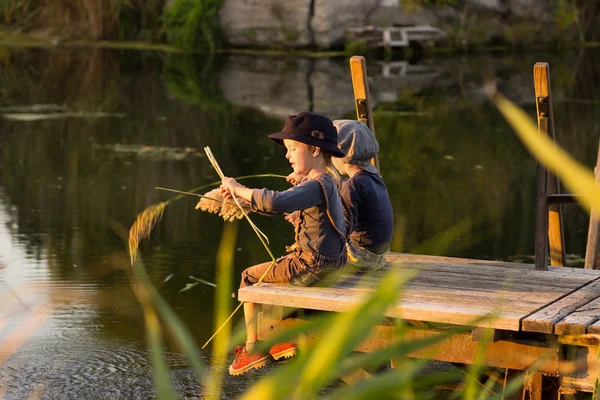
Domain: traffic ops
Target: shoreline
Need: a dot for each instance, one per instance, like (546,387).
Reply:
(12,39)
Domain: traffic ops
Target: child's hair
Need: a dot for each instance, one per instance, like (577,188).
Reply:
(337,179)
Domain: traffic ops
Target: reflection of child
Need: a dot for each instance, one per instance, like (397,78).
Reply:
(365,194)
(311,142)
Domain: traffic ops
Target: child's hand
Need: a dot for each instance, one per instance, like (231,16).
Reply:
(228,187)
(294,178)
(292,218)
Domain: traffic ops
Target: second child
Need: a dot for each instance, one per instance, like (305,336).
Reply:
(371,218)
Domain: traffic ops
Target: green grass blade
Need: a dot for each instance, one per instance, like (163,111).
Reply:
(391,384)
(162,378)
(224,277)
(576,177)
(172,322)
(313,369)
(399,349)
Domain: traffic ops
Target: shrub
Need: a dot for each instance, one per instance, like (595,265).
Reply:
(193,24)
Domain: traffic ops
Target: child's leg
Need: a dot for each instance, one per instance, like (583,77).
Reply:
(251,315)
(246,358)
(285,270)
(251,276)
(282,272)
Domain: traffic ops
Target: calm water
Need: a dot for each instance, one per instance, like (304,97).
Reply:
(88,134)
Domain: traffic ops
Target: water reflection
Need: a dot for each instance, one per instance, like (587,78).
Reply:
(451,164)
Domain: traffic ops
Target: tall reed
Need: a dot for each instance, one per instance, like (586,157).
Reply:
(147,219)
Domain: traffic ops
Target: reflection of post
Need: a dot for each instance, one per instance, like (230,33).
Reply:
(548,215)
(362,97)
(591,251)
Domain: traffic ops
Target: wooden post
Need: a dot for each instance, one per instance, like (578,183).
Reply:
(362,96)
(591,251)
(548,215)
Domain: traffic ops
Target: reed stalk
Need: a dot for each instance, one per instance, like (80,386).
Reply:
(215,165)
(147,219)
(262,239)
(575,176)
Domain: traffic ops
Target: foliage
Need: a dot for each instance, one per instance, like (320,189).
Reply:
(141,20)
(194,80)
(193,24)
(17,11)
(356,47)
(575,176)
(416,4)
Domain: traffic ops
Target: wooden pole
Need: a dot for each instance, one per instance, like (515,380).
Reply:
(548,215)
(362,96)
(591,251)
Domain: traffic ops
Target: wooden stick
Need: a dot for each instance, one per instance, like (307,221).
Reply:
(215,165)
(552,222)
(362,97)
(591,251)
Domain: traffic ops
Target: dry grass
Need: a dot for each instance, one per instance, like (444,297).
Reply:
(213,202)
(143,225)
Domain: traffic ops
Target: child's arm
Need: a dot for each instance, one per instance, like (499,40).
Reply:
(302,196)
(295,178)
(230,185)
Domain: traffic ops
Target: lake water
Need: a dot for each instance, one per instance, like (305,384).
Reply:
(87,135)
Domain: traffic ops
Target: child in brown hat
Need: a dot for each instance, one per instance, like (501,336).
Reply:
(370,219)
(311,142)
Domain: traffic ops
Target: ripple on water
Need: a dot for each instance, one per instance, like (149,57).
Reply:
(77,369)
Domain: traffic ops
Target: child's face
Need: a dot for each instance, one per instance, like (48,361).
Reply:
(300,156)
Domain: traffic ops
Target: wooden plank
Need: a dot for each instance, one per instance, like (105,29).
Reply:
(339,300)
(362,96)
(458,348)
(490,290)
(494,274)
(591,251)
(501,284)
(426,259)
(543,321)
(577,322)
(594,328)
(547,183)
(572,274)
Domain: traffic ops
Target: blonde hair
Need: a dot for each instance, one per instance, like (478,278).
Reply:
(337,179)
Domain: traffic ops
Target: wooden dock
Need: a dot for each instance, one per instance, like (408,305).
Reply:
(533,313)
(395,36)
(541,316)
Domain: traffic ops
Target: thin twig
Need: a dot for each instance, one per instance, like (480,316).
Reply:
(195,194)
(215,165)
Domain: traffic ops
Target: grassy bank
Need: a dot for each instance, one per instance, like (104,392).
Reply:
(194,25)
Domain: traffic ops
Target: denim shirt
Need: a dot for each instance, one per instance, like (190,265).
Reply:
(371,212)
(315,233)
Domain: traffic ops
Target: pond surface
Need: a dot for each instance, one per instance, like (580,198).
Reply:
(88,134)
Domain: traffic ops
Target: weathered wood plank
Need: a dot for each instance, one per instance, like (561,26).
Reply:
(447,291)
(543,321)
(458,348)
(442,309)
(553,218)
(591,250)
(529,282)
(577,322)
(479,277)
(426,260)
